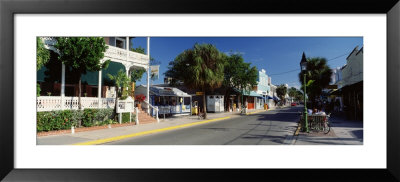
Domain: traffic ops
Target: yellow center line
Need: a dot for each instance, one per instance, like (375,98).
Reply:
(106,140)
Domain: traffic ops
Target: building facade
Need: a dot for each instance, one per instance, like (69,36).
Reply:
(263,89)
(351,85)
(59,91)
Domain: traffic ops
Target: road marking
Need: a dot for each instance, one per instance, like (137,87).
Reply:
(254,112)
(106,140)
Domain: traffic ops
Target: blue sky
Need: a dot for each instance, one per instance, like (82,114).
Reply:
(274,54)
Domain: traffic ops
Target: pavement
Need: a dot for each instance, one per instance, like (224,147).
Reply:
(114,134)
(343,132)
(273,127)
(259,127)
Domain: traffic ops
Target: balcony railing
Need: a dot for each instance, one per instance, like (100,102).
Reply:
(49,103)
(125,55)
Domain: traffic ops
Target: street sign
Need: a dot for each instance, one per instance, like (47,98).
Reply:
(199,93)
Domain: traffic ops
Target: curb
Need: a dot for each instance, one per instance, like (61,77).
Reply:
(116,138)
(255,112)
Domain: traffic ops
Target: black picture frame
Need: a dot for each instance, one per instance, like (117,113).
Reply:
(8,8)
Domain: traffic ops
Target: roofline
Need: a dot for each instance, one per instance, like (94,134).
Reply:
(360,50)
(352,52)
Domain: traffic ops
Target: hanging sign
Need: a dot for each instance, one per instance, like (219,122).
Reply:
(154,71)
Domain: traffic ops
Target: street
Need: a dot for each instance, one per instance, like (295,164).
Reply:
(264,128)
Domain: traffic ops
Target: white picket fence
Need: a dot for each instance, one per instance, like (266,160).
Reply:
(49,103)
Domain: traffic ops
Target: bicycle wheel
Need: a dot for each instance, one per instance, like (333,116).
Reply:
(327,128)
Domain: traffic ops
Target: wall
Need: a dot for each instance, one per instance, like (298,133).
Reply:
(353,71)
(262,86)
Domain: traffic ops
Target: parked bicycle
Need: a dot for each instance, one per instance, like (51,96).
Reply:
(318,122)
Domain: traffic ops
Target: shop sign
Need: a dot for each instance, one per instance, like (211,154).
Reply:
(199,93)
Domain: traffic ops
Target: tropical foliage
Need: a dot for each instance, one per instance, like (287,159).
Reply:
(82,54)
(42,57)
(318,76)
(200,68)
(295,94)
(120,80)
(238,75)
(42,54)
(281,91)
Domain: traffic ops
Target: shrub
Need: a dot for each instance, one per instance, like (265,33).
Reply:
(54,120)
(59,120)
(125,117)
(103,114)
(88,117)
(93,117)
(76,117)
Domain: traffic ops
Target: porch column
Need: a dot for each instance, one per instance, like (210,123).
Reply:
(127,74)
(148,76)
(127,43)
(62,85)
(99,90)
(127,49)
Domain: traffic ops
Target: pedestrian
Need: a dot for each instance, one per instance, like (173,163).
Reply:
(337,105)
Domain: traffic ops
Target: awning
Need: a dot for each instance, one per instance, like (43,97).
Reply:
(168,91)
(252,93)
(276,98)
(269,97)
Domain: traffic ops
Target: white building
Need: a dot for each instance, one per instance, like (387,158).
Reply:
(118,52)
(352,72)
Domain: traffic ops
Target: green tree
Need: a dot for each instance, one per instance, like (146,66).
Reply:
(318,76)
(82,54)
(200,68)
(42,57)
(292,92)
(299,96)
(42,54)
(120,80)
(281,91)
(238,75)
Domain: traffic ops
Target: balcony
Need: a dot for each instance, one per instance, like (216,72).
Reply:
(128,58)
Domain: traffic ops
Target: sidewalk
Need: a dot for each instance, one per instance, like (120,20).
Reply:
(165,125)
(343,132)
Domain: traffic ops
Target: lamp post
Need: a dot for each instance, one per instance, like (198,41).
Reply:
(303,66)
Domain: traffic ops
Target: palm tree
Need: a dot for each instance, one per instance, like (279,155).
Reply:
(121,80)
(201,68)
(318,76)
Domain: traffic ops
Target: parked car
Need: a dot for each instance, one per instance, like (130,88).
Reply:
(293,104)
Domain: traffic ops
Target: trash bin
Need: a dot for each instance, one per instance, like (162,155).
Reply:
(265,107)
(194,108)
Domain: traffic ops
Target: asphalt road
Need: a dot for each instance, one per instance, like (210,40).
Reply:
(264,128)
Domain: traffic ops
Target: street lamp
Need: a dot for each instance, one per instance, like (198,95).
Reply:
(303,66)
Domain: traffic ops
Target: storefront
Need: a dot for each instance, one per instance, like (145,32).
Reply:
(251,99)
(169,100)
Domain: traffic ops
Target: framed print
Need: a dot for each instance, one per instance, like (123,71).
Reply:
(89,109)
